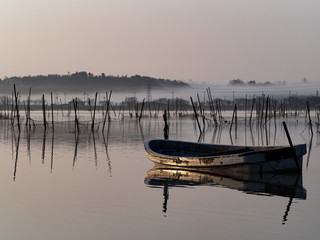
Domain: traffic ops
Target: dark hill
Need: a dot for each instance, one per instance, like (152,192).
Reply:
(83,81)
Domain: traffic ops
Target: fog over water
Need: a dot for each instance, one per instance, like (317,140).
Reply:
(222,91)
(225,91)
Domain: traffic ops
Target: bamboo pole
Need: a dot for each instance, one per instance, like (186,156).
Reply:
(201,112)
(266,113)
(75,106)
(236,121)
(141,111)
(212,110)
(233,117)
(12,114)
(94,112)
(310,122)
(195,114)
(17,107)
(245,111)
(291,146)
(262,109)
(29,108)
(52,112)
(90,109)
(166,126)
(107,109)
(44,113)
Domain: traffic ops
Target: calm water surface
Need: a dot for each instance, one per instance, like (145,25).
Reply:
(94,186)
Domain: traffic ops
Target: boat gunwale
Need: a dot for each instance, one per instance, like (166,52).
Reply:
(254,149)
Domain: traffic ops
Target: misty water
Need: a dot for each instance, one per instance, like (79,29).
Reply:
(222,91)
(96,185)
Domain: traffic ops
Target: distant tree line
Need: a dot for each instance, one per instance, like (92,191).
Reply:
(239,82)
(83,81)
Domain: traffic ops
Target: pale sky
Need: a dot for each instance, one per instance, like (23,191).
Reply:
(201,40)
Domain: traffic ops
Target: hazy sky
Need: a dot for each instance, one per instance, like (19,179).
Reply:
(203,40)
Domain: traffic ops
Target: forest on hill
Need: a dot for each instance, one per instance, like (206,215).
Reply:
(83,81)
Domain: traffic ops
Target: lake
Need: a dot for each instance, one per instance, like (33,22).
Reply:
(62,185)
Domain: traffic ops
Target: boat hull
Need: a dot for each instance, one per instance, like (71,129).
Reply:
(186,155)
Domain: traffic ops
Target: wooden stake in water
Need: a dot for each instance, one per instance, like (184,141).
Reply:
(107,109)
(262,110)
(166,126)
(245,111)
(12,114)
(201,112)
(75,105)
(233,117)
(266,114)
(17,108)
(310,122)
(253,102)
(291,145)
(141,112)
(29,108)
(44,113)
(52,112)
(195,114)
(94,112)
(212,110)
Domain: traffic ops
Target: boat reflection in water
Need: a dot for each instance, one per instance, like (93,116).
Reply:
(269,184)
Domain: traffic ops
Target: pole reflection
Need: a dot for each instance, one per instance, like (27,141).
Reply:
(17,142)
(105,141)
(75,150)
(44,146)
(52,152)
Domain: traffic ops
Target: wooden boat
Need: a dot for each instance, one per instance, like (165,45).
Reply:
(225,158)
